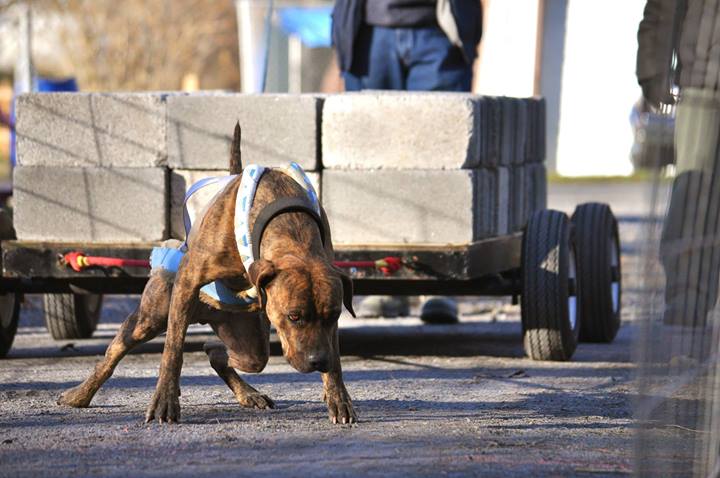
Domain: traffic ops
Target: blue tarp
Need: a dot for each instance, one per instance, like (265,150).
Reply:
(311,24)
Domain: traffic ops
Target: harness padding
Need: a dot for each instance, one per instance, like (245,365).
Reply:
(169,256)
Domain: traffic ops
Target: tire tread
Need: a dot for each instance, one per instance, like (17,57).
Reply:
(592,223)
(67,316)
(542,305)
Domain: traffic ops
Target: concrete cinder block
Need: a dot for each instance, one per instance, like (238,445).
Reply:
(528,193)
(180,182)
(541,132)
(531,133)
(276,128)
(90,204)
(491,132)
(508,129)
(398,207)
(493,208)
(125,130)
(513,129)
(521,131)
(535,147)
(374,130)
(519,194)
(536,188)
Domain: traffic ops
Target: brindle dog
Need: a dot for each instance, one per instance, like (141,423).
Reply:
(301,293)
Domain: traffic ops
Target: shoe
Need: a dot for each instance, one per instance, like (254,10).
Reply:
(439,310)
(386,306)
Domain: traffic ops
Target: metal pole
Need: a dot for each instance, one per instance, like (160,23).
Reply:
(23,64)
(254,24)
(294,64)
(268,27)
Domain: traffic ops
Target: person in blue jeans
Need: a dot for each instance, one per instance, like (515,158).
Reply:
(413,45)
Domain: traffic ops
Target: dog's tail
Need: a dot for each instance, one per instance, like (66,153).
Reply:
(235,159)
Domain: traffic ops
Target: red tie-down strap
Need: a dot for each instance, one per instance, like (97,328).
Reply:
(79,261)
(387,266)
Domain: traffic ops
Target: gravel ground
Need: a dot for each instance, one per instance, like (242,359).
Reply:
(432,400)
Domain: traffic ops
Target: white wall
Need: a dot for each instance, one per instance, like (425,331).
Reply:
(598,87)
(507,60)
(597,84)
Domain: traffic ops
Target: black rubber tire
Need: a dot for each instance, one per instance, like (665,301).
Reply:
(548,258)
(9,315)
(598,247)
(72,316)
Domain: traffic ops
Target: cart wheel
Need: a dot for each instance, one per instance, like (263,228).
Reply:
(598,247)
(72,316)
(550,317)
(9,315)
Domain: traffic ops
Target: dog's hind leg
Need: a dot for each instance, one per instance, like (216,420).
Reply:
(145,323)
(247,340)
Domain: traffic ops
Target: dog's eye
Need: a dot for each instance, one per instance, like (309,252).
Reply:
(293,317)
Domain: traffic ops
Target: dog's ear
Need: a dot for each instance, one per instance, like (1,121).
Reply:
(347,290)
(261,273)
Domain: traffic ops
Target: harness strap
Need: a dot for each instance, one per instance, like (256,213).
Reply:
(243,203)
(222,180)
(281,206)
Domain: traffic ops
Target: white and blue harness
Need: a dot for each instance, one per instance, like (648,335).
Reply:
(248,242)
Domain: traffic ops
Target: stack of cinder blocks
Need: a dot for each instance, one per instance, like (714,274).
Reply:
(115,167)
(91,167)
(275,129)
(391,168)
(440,168)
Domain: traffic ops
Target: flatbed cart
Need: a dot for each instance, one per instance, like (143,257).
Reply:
(566,272)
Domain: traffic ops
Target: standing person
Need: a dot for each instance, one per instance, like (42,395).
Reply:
(418,45)
(687,30)
(414,45)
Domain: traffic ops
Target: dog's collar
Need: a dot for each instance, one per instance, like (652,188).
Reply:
(274,209)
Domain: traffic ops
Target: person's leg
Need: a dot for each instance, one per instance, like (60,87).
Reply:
(435,64)
(376,65)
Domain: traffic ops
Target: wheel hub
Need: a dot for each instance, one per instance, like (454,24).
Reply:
(572,290)
(615,274)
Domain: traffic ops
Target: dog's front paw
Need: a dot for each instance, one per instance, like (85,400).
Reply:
(256,400)
(340,408)
(75,397)
(164,406)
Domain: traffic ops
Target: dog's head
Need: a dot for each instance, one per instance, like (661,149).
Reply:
(303,300)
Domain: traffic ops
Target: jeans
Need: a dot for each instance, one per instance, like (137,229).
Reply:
(415,59)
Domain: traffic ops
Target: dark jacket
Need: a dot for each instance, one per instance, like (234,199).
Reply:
(688,28)
(348,17)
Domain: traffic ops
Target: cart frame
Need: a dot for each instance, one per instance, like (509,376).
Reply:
(562,269)
(488,267)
